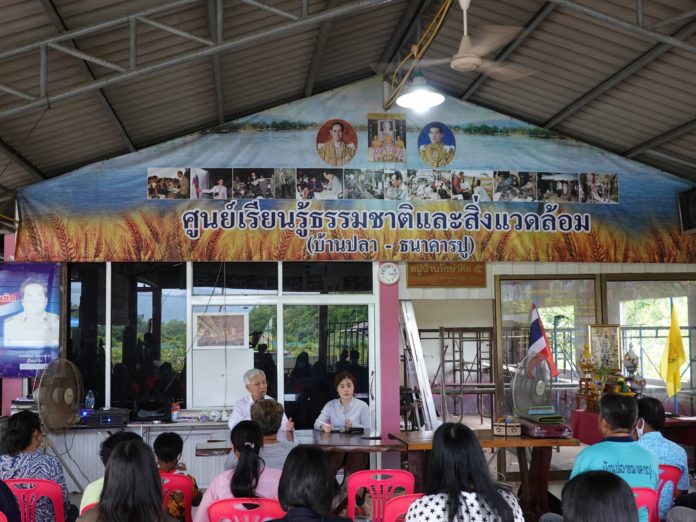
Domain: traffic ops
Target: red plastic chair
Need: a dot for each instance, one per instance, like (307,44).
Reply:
(236,510)
(172,483)
(88,507)
(397,507)
(647,498)
(29,491)
(3,518)
(381,484)
(671,474)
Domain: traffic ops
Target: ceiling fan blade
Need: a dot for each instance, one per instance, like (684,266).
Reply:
(433,62)
(489,38)
(504,71)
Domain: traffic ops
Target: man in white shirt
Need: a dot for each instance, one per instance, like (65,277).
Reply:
(255,382)
(219,191)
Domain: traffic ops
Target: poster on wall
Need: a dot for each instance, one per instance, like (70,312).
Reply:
(298,182)
(30,318)
(221,330)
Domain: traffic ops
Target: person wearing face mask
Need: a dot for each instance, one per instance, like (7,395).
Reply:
(651,419)
(618,453)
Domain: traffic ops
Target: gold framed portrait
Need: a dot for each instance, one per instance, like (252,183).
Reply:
(605,345)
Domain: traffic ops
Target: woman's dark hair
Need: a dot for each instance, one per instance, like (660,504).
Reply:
(611,497)
(247,439)
(306,481)
(341,376)
(20,430)
(132,486)
(457,465)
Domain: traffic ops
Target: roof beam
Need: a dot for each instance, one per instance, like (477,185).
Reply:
(319,48)
(627,26)
(410,17)
(353,7)
(23,162)
(59,24)
(533,23)
(215,26)
(623,73)
(665,137)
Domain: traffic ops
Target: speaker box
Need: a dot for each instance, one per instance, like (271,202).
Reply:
(687,211)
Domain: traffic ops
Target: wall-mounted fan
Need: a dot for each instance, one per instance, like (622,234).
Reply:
(532,384)
(59,395)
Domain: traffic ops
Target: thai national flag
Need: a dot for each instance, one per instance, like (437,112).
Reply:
(538,343)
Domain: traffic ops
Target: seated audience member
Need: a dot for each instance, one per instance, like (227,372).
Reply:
(249,478)
(651,419)
(255,382)
(618,453)
(168,447)
(132,487)
(8,504)
(24,461)
(459,486)
(93,490)
(268,414)
(306,487)
(598,496)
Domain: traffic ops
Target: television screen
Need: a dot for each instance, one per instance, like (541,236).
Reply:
(29,318)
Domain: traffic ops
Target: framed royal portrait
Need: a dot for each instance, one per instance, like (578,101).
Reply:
(605,345)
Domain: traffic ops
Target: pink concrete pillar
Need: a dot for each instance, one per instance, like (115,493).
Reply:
(11,389)
(389,357)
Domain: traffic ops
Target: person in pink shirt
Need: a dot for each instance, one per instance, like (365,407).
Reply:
(250,478)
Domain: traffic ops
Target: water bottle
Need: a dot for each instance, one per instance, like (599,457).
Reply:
(89,400)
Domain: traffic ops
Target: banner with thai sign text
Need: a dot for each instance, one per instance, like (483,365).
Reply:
(335,177)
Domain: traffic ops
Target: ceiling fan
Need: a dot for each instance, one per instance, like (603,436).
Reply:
(470,54)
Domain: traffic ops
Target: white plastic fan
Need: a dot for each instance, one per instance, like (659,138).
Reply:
(59,395)
(532,384)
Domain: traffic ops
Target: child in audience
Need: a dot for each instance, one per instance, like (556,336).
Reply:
(250,477)
(94,489)
(168,448)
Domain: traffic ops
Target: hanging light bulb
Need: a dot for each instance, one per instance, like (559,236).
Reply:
(419,96)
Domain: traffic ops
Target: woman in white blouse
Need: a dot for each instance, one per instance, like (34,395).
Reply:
(459,487)
(346,411)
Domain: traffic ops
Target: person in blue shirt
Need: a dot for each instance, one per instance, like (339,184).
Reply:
(651,419)
(618,453)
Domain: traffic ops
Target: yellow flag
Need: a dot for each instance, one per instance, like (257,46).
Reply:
(673,358)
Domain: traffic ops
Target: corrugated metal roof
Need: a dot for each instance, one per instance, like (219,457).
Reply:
(584,84)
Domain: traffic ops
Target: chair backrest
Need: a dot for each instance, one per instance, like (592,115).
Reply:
(671,474)
(3,518)
(29,491)
(396,508)
(245,510)
(88,507)
(647,498)
(174,484)
(381,485)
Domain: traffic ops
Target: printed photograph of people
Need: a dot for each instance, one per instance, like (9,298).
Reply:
(556,187)
(515,186)
(429,185)
(599,188)
(436,144)
(253,183)
(467,183)
(337,142)
(33,327)
(363,184)
(395,185)
(386,137)
(168,183)
(211,184)
(319,184)
(285,183)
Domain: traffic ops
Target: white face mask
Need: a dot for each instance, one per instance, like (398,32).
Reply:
(640,427)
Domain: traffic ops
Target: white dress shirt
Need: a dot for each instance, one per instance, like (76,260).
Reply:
(242,411)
